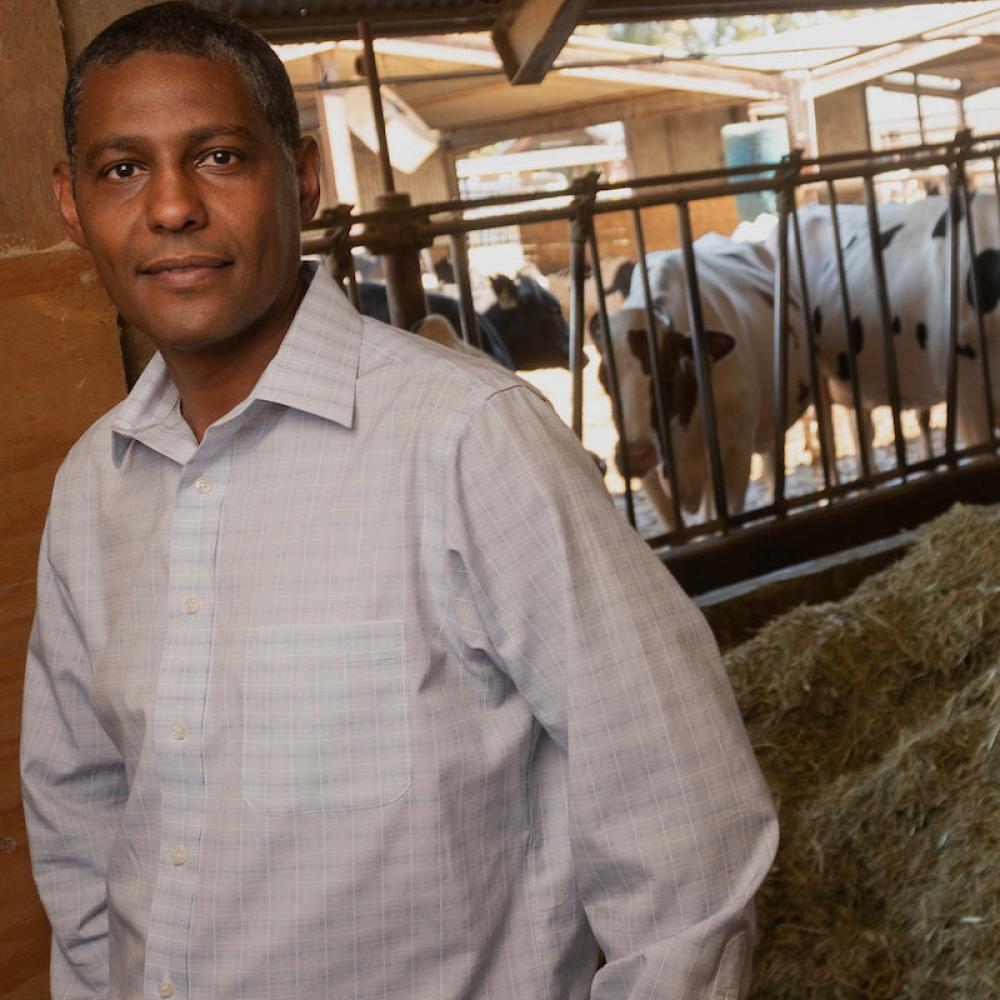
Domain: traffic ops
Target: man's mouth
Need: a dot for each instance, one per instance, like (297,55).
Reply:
(184,270)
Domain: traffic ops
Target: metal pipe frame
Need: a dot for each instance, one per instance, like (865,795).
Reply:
(828,458)
(577,320)
(471,333)
(864,460)
(609,357)
(661,393)
(885,327)
(954,302)
(701,366)
(679,190)
(976,290)
(779,378)
(375,92)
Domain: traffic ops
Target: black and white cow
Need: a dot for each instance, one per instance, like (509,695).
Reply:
(915,241)
(530,321)
(736,283)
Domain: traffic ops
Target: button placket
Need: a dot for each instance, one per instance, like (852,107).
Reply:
(180,703)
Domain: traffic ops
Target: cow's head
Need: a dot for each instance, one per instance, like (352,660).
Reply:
(676,368)
(505,290)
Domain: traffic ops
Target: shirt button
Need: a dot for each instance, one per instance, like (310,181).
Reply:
(203,485)
(178,730)
(192,605)
(179,856)
(167,988)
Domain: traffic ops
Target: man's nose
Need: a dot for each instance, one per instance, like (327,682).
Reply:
(174,202)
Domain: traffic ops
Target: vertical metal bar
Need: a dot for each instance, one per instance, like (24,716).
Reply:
(920,113)
(704,376)
(951,391)
(885,326)
(609,357)
(353,290)
(471,333)
(827,457)
(375,92)
(577,318)
(861,429)
(660,391)
(976,289)
(779,400)
(961,105)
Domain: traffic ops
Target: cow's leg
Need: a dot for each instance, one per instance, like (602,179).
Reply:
(924,420)
(657,492)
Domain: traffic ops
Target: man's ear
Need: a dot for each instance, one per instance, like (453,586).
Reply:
(62,185)
(307,168)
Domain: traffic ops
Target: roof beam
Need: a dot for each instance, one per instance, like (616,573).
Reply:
(530,34)
(616,109)
(869,66)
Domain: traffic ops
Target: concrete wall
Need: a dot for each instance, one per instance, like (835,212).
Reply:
(679,143)
(61,370)
(841,123)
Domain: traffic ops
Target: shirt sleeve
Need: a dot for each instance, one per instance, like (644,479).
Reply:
(672,825)
(74,787)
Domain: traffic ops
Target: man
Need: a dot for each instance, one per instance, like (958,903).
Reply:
(346,679)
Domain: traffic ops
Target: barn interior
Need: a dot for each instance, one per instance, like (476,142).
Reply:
(490,102)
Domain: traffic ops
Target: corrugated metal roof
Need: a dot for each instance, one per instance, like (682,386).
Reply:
(311,20)
(315,20)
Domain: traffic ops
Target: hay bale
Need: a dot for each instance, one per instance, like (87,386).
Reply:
(875,721)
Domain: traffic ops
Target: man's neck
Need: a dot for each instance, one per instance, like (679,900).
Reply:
(212,380)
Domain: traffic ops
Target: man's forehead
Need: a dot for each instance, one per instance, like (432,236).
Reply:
(152,78)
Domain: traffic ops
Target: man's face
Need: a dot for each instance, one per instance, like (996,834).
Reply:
(183,196)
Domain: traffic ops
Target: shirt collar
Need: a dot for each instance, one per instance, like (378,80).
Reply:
(314,370)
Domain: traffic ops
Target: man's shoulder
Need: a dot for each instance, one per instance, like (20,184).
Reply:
(412,361)
(91,452)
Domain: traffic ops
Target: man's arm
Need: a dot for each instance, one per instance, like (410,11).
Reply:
(74,788)
(672,825)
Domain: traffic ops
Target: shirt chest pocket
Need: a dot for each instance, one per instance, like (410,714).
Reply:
(325,718)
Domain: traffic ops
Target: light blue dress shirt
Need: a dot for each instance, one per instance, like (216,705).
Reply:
(370,695)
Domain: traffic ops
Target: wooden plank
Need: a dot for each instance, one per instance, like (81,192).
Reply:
(530,34)
(33,70)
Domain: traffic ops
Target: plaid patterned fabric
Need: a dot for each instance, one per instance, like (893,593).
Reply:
(372,694)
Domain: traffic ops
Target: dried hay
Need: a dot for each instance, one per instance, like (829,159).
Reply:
(876,722)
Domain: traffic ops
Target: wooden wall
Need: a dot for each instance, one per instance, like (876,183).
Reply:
(61,370)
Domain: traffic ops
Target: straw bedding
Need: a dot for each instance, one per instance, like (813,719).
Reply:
(876,722)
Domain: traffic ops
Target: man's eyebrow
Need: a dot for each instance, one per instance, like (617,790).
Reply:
(205,132)
(125,143)
(133,143)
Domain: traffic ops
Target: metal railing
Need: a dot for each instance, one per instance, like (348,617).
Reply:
(588,199)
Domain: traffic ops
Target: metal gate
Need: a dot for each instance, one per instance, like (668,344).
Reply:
(734,544)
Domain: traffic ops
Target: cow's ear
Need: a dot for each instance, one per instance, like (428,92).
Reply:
(719,344)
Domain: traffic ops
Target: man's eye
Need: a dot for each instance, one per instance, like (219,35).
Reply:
(122,171)
(220,158)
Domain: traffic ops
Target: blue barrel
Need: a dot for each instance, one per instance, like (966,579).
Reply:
(744,143)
